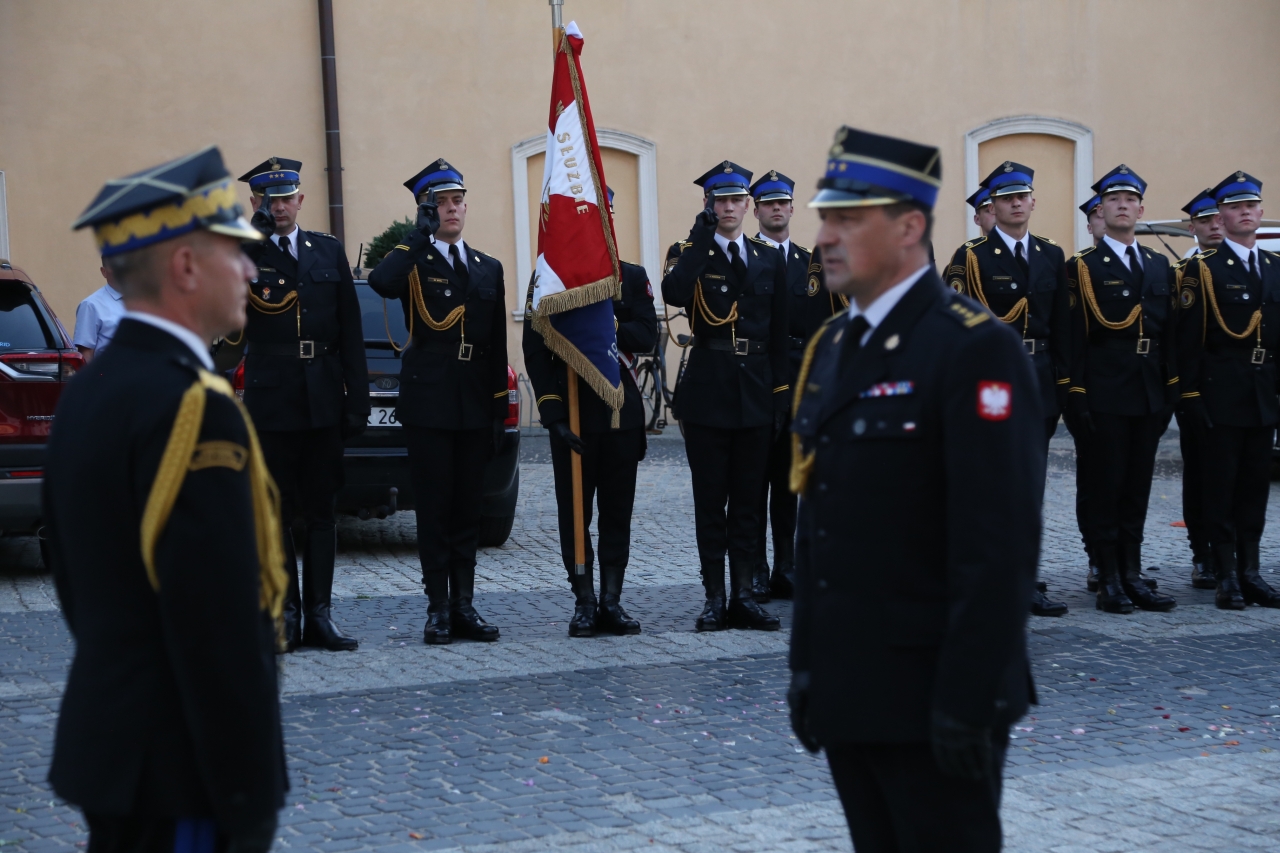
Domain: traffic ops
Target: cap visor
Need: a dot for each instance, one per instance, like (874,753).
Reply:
(839,198)
(1012,189)
(719,192)
(280,190)
(238,227)
(774,197)
(1232,199)
(442,187)
(1121,188)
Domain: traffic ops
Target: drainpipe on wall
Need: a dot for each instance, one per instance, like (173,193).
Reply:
(4,221)
(333,143)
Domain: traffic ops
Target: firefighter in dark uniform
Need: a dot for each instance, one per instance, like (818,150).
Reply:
(1124,384)
(453,391)
(920,468)
(1092,211)
(984,212)
(732,399)
(809,305)
(306,383)
(171,578)
(1206,227)
(1227,339)
(610,456)
(1020,277)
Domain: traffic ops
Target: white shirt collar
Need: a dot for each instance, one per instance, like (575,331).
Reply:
(885,302)
(1010,242)
(292,237)
(1121,249)
(723,243)
(785,245)
(1241,251)
(443,247)
(198,347)
(112,292)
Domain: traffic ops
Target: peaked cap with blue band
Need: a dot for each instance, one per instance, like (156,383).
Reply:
(868,169)
(439,176)
(1089,205)
(1120,179)
(979,199)
(726,179)
(774,186)
(277,177)
(1203,204)
(165,202)
(1009,178)
(1240,186)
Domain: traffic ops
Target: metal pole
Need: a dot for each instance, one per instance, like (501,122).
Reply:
(332,140)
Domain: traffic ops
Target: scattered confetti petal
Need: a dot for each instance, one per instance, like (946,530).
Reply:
(544,760)
(529,782)
(1077,731)
(1177,524)
(1164,716)
(1226,707)
(417,836)
(1213,728)
(1232,743)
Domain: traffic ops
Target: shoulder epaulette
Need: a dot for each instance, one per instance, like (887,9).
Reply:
(679,246)
(796,245)
(1269,252)
(1083,252)
(1181,263)
(481,254)
(760,242)
(965,315)
(1207,253)
(1045,240)
(977,242)
(322,234)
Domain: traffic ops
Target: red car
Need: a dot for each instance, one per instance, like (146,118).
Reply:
(36,359)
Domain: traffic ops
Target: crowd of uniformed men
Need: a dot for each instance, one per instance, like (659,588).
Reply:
(912,420)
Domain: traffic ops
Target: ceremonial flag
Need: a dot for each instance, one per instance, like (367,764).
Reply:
(577,274)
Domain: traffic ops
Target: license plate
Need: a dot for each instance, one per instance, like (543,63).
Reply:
(382,417)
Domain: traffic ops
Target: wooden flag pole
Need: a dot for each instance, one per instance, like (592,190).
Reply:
(575,423)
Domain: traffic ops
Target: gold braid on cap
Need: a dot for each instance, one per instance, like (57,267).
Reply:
(180,457)
(801,462)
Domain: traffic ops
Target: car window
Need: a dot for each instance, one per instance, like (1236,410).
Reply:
(21,327)
(371,318)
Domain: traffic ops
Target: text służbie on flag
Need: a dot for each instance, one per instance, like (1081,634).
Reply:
(577,274)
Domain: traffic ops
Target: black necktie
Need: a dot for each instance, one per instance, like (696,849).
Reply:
(735,260)
(1253,266)
(459,267)
(783,250)
(284,246)
(856,328)
(1135,266)
(1021,258)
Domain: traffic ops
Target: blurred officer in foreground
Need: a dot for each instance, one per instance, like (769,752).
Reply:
(809,305)
(306,383)
(172,578)
(453,393)
(1020,278)
(920,465)
(1123,387)
(732,399)
(1228,332)
(610,457)
(1206,226)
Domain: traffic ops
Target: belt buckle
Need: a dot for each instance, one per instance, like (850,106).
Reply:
(1144,346)
(1259,356)
(741,347)
(1030,345)
(306,349)
(464,351)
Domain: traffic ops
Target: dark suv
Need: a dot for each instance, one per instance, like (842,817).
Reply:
(377,463)
(36,360)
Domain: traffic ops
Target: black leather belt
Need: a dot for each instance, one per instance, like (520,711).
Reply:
(1035,345)
(740,346)
(464,351)
(1141,346)
(797,343)
(1255,355)
(302,349)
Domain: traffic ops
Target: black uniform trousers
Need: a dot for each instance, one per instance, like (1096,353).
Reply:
(1236,476)
(307,467)
(897,800)
(778,504)
(727,466)
(138,834)
(1116,470)
(446,470)
(609,477)
(1191,443)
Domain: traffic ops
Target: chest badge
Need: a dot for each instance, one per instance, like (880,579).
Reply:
(995,401)
(266,293)
(891,342)
(889,389)
(813,285)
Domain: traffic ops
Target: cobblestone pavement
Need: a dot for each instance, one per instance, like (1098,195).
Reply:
(1154,732)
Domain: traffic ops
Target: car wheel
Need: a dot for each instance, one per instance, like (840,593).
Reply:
(495,531)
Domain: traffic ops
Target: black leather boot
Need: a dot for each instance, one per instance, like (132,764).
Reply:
(464,622)
(1229,595)
(1091,579)
(1111,595)
(1042,606)
(318,562)
(712,617)
(782,584)
(610,617)
(583,623)
(1135,585)
(760,582)
(1252,586)
(1202,575)
(743,610)
(436,631)
(292,614)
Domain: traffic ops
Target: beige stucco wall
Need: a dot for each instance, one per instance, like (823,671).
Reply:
(1180,90)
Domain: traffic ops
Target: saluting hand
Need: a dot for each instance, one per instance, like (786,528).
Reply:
(429,216)
(262,219)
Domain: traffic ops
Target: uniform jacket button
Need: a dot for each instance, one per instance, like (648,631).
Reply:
(822,583)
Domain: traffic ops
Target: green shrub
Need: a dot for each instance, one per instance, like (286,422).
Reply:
(386,241)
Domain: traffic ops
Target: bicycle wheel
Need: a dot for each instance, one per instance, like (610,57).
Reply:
(650,396)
